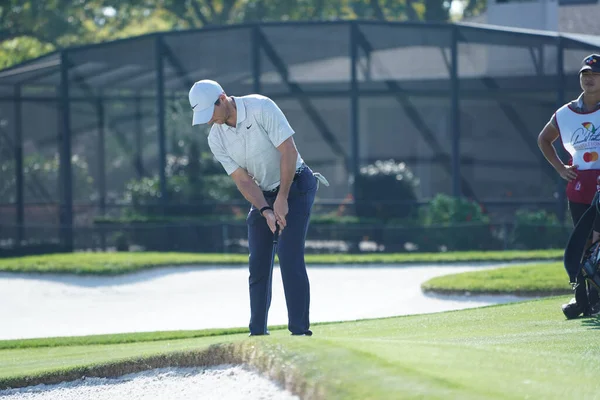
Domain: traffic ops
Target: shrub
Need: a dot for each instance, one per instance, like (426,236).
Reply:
(380,185)
(455,224)
(538,230)
(444,210)
(193,182)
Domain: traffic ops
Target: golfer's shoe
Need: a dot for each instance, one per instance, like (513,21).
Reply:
(307,333)
(572,309)
(260,334)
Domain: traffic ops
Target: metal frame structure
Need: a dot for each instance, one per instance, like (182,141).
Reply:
(60,69)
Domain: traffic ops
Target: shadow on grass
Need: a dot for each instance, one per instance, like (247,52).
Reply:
(591,322)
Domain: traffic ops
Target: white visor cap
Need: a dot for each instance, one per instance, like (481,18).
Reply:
(203,96)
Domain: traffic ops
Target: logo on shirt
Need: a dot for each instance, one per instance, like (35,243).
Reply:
(249,126)
(585,137)
(578,186)
(590,156)
(589,126)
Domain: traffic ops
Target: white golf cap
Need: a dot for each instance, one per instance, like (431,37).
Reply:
(203,96)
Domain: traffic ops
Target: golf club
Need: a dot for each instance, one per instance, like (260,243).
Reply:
(275,240)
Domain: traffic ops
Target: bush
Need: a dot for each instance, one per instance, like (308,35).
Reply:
(455,224)
(381,184)
(538,230)
(44,172)
(193,182)
(444,210)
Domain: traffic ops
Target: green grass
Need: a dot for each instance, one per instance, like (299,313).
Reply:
(521,350)
(120,338)
(119,263)
(533,279)
(509,351)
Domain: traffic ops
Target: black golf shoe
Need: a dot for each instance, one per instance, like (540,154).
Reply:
(307,333)
(572,309)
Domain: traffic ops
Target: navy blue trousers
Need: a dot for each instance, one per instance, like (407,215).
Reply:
(291,257)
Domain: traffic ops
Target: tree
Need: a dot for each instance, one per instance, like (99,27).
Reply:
(474,7)
(32,28)
(37,27)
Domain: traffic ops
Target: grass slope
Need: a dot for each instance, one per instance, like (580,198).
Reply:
(119,263)
(533,279)
(522,350)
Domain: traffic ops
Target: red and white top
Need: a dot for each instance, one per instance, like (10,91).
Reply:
(580,136)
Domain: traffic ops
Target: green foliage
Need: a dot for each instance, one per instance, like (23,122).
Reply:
(455,224)
(333,219)
(445,210)
(42,175)
(17,50)
(538,230)
(474,7)
(119,263)
(118,338)
(186,193)
(380,185)
(32,28)
(518,350)
(196,182)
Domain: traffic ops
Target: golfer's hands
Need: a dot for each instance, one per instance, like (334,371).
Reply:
(280,207)
(568,172)
(271,220)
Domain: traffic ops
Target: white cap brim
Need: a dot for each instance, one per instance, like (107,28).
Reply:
(203,116)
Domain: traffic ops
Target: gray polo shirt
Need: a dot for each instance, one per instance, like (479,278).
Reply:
(252,145)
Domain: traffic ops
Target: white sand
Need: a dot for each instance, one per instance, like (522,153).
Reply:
(225,382)
(181,298)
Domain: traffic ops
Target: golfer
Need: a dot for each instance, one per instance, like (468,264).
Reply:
(252,139)
(578,125)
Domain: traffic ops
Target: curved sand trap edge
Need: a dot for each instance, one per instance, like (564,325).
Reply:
(243,353)
(223,382)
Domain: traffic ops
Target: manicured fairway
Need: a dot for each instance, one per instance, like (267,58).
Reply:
(530,279)
(118,263)
(521,350)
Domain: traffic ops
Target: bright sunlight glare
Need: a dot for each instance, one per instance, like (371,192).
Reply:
(109,11)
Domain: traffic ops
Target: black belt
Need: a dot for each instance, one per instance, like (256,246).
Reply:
(296,175)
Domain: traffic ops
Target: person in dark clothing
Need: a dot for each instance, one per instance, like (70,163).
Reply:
(577,124)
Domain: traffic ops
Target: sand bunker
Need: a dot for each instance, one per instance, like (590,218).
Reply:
(224,382)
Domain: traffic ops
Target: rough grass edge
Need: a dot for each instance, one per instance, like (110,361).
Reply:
(519,293)
(120,338)
(243,353)
(315,260)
